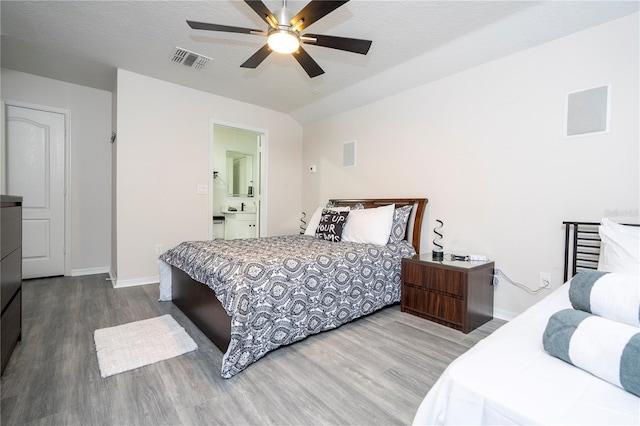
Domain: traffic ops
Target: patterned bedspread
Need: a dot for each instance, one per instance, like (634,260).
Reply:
(279,290)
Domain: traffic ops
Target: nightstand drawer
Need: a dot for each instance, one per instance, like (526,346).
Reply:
(435,305)
(437,279)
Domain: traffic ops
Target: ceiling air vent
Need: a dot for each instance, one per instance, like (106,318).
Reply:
(189,58)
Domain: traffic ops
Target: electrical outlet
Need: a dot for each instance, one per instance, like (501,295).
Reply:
(159,249)
(545,280)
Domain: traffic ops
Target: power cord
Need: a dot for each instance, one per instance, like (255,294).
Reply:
(522,286)
(479,258)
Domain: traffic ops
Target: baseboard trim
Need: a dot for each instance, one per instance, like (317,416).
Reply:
(90,271)
(113,277)
(136,281)
(504,315)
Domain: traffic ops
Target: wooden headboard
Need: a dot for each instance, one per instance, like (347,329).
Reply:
(414,225)
(582,246)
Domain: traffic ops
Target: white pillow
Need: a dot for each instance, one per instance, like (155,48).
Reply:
(315,219)
(620,249)
(370,226)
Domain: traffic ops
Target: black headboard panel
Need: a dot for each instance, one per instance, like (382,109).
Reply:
(581,246)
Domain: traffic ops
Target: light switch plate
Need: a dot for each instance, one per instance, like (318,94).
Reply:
(203,189)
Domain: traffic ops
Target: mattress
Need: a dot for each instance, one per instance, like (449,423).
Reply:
(508,378)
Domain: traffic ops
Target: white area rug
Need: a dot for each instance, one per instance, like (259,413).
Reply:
(140,343)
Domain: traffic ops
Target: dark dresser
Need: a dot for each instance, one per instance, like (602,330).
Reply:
(452,293)
(10,275)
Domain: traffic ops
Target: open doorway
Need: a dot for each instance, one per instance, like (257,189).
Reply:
(238,199)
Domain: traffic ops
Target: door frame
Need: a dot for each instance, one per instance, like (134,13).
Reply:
(67,169)
(262,166)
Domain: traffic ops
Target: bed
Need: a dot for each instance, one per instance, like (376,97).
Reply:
(509,378)
(252,296)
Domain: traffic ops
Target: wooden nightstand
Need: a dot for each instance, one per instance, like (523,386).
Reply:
(457,294)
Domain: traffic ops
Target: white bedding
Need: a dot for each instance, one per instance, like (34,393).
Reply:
(508,378)
(165,281)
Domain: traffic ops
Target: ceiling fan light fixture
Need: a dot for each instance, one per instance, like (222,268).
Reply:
(283,41)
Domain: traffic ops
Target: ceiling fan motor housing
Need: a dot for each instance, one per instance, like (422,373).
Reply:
(284,16)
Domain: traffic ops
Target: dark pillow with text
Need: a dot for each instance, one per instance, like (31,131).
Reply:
(331,225)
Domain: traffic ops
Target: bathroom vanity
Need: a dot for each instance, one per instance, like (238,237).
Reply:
(239,224)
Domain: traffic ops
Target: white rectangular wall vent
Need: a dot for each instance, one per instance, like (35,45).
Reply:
(349,154)
(588,112)
(189,58)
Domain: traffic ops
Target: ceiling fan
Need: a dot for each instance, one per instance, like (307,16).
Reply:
(283,34)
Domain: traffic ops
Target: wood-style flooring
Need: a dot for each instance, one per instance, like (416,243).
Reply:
(375,370)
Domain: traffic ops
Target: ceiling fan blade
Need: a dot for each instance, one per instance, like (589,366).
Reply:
(313,11)
(310,66)
(263,11)
(354,45)
(225,28)
(257,58)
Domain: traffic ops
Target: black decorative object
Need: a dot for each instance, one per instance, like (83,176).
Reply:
(438,252)
(303,224)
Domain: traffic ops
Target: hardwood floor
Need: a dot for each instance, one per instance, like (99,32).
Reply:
(375,370)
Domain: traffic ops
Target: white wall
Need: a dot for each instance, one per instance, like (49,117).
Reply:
(486,147)
(164,133)
(90,168)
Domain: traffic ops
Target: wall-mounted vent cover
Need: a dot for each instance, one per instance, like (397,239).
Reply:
(349,154)
(189,58)
(588,112)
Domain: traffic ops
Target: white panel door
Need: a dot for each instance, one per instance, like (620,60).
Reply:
(35,170)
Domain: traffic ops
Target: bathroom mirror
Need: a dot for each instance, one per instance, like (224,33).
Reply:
(239,174)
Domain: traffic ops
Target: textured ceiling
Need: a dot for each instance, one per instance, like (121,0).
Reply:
(414,42)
